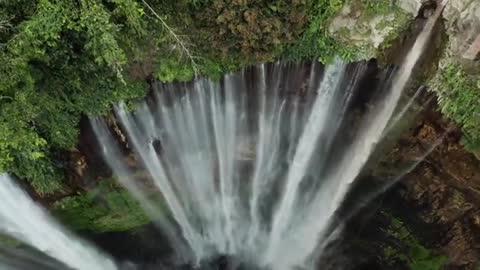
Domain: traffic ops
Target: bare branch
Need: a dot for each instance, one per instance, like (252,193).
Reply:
(175,36)
(5,24)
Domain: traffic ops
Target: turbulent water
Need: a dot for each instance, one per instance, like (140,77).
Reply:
(253,167)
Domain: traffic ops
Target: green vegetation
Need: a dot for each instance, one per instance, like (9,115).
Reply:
(373,31)
(8,241)
(375,7)
(106,208)
(63,59)
(60,59)
(458,97)
(315,41)
(410,251)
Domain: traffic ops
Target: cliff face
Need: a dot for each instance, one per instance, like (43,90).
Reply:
(439,200)
(442,192)
(463,17)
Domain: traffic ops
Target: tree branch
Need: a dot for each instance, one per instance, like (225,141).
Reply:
(175,36)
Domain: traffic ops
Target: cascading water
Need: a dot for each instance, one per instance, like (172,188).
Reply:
(254,167)
(21,218)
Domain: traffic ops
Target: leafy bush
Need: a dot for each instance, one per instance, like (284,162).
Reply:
(315,41)
(106,208)
(249,30)
(59,63)
(64,59)
(458,97)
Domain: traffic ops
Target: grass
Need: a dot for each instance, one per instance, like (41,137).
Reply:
(8,241)
(316,42)
(106,208)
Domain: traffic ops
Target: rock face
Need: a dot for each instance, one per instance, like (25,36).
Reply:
(411,6)
(462,23)
(473,52)
(463,17)
(365,28)
(444,189)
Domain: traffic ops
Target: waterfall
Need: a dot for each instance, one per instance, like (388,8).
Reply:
(253,167)
(246,165)
(336,184)
(22,219)
(224,147)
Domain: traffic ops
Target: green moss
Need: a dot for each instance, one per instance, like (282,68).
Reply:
(8,241)
(106,208)
(172,68)
(458,98)
(410,251)
(373,19)
(397,26)
(315,41)
(374,8)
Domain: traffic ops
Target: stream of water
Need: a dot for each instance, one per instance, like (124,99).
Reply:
(24,220)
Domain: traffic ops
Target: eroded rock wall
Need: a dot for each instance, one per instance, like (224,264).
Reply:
(443,191)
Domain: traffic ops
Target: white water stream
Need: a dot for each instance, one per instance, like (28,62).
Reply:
(24,220)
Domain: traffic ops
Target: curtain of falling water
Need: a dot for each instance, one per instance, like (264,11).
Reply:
(336,184)
(234,161)
(22,219)
(228,155)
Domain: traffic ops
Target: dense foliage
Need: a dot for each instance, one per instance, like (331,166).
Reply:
(65,59)
(62,59)
(107,208)
(458,97)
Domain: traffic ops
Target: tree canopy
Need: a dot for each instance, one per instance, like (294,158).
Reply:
(64,59)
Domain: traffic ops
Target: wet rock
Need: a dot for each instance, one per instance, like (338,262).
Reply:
(362,27)
(411,6)
(463,17)
(442,189)
(77,165)
(473,52)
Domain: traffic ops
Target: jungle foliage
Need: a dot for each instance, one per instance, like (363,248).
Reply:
(107,208)
(458,96)
(64,59)
(60,59)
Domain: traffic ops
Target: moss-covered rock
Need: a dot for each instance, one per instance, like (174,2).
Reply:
(103,209)
(368,27)
(8,241)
